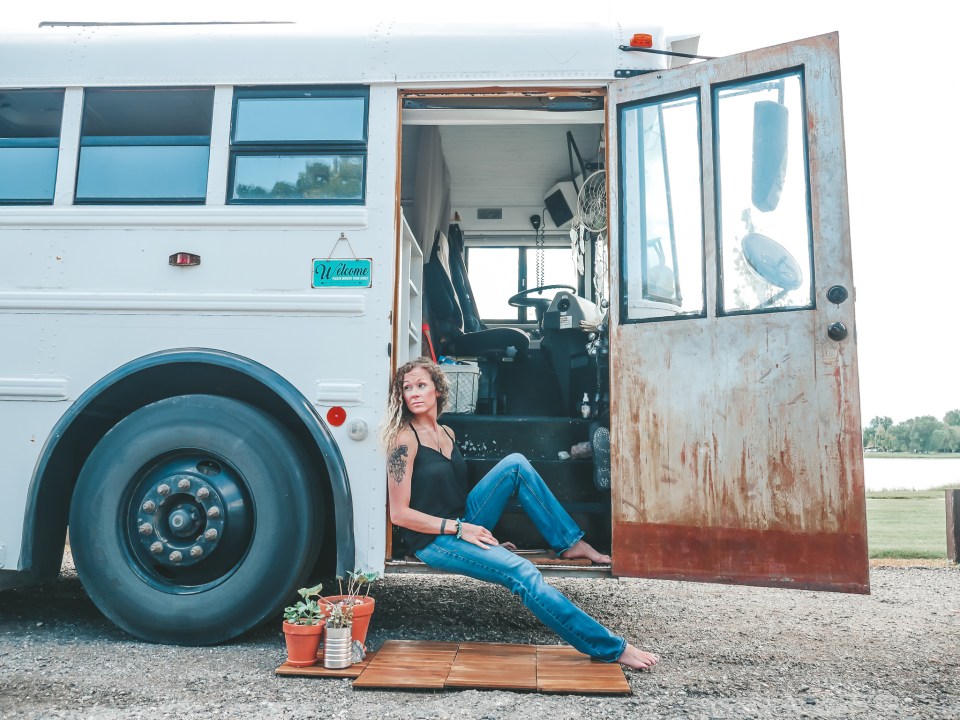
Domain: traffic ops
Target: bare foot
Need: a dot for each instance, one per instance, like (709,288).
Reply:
(584,550)
(637,659)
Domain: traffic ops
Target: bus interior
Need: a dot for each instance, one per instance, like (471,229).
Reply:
(516,282)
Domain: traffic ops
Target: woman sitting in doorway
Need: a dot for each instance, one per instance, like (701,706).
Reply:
(446,525)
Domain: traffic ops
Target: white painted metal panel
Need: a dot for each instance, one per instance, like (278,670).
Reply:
(371,52)
(84,290)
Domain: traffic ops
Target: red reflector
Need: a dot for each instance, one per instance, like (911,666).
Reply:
(336,416)
(184,259)
(643,40)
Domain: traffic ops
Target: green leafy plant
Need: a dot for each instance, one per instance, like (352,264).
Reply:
(357,582)
(340,613)
(307,611)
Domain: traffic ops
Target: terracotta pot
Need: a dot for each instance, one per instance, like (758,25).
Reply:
(361,615)
(303,642)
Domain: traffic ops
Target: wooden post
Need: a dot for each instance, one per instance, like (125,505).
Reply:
(952,498)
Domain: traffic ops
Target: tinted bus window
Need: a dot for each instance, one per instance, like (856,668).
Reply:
(145,145)
(29,144)
(300,145)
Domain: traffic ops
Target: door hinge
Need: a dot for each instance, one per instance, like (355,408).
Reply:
(630,73)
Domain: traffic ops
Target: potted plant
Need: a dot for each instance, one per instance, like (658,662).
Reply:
(355,605)
(302,626)
(338,636)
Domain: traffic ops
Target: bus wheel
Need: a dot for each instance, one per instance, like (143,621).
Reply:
(194,519)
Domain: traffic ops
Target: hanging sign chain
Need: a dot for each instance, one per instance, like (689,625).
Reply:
(342,238)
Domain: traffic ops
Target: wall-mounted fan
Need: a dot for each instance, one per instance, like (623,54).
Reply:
(592,202)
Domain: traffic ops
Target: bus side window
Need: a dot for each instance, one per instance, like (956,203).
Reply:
(144,145)
(29,145)
(298,145)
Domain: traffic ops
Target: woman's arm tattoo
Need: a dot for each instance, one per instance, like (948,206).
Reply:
(397,463)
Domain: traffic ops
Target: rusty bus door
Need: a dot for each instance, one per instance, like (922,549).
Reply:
(735,432)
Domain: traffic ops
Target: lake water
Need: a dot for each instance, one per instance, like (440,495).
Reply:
(910,473)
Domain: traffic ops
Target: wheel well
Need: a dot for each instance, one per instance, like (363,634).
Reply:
(160,376)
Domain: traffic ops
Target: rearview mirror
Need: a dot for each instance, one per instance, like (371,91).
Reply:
(769,153)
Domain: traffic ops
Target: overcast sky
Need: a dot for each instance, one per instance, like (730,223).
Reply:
(901,142)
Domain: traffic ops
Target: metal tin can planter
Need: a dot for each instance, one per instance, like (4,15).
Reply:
(362,612)
(337,647)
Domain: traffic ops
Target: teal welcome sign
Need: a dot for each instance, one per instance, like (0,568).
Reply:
(353,273)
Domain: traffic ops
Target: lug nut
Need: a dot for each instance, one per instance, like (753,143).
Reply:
(184,484)
(176,556)
(156,548)
(213,512)
(196,551)
(146,529)
(149,506)
(163,489)
(210,534)
(203,493)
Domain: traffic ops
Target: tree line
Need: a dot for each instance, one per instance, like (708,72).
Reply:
(923,434)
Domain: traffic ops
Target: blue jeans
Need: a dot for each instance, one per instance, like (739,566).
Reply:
(514,475)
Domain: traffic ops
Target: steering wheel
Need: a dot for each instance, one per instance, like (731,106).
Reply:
(540,304)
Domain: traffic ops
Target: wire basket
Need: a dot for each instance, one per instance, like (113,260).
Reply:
(464,381)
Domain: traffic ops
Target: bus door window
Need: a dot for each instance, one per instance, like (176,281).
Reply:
(764,224)
(662,228)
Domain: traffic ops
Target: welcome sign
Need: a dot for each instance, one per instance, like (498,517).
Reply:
(342,273)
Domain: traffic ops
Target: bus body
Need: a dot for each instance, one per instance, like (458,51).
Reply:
(220,242)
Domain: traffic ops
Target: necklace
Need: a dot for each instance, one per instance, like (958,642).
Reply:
(436,433)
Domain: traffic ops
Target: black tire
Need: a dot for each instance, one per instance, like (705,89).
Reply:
(188,472)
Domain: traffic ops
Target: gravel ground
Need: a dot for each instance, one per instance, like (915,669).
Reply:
(727,652)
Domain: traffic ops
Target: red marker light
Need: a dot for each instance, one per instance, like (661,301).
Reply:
(336,416)
(643,40)
(182,259)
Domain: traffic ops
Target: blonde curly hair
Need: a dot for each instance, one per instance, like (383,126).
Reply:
(398,414)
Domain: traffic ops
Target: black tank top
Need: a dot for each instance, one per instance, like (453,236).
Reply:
(438,487)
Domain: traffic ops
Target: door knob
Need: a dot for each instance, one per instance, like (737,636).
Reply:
(837,294)
(837,331)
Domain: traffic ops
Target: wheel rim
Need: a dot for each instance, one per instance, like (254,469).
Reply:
(188,523)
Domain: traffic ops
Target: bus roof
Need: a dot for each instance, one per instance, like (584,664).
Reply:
(59,55)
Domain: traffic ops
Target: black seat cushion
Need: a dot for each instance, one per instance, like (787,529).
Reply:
(492,340)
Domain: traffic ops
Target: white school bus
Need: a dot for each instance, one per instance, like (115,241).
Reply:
(219,242)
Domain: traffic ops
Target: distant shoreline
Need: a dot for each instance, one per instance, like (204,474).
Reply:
(867,455)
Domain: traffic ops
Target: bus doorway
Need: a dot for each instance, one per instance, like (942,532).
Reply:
(513,296)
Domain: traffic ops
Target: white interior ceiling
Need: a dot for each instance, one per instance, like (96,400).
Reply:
(511,165)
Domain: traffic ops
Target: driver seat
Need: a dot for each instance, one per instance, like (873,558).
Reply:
(446,310)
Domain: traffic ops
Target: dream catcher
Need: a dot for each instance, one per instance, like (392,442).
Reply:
(591,222)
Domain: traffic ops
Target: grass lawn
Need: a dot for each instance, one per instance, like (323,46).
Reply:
(906,524)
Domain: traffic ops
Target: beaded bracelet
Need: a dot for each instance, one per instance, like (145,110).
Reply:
(459,529)
(443,526)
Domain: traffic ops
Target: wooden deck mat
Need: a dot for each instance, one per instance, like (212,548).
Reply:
(501,666)
(494,665)
(319,670)
(563,670)
(409,664)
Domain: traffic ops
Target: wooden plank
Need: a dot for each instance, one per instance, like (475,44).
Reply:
(952,498)
(561,669)
(319,670)
(494,666)
(409,664)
